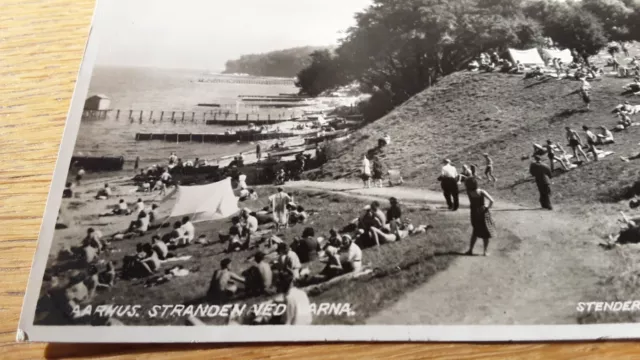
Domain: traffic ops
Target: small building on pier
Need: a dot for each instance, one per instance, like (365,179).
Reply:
(98,102)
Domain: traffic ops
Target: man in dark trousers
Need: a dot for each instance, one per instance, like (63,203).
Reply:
(542,174)
(449,183)
(258,151)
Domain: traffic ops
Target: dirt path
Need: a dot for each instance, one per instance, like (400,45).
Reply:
(541,265)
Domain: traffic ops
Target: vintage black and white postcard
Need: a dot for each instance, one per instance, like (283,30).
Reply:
(346,170)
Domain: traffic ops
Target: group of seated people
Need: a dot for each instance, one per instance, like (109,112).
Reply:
(493,62)
(340,251)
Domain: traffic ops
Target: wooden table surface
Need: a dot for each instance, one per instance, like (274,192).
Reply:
(41,46)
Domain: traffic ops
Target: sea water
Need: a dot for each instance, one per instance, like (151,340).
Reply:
(157,90)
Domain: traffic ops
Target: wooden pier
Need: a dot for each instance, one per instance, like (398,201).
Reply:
(245,136)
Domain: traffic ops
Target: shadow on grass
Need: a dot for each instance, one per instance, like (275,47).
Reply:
(540,82)
(453,253)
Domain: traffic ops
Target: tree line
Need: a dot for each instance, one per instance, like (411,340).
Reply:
(281,63)
(400,47)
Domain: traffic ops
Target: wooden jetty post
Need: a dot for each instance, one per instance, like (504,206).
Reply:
(173,115)
(182,116)
(141,116)
(151,115)
(161,115)
(130,114)
(193,116)
(236,116)
(215,115)
(247,117)
(117,114)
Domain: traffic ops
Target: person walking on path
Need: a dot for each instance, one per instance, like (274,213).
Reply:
(449,183)
(258,151)
(481,220)
(542,175)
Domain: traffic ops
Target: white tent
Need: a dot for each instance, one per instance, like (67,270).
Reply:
(206,202)
(564,55)
(529,57)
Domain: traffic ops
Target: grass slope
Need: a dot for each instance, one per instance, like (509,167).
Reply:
(468,114)
(399,267)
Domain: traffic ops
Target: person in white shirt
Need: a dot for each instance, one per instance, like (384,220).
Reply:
(79,175)
(188,230)
(138,207)
(449,183)
(242,182)
(366,172)
(173,158)
(122,208)
(298,304)
(279,203)
(250,226)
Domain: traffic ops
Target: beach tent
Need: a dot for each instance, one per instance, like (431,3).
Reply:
(564,55)
(206,202)
(529,57)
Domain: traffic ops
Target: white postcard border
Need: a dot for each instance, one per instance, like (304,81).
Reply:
(232,334)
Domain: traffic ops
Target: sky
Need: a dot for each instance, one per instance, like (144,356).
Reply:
(204,34)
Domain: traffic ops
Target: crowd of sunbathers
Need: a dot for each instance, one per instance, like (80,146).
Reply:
(340,250)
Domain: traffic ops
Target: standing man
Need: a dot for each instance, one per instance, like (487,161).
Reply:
(279,203)
(542,174)
(258,152)
(449,183)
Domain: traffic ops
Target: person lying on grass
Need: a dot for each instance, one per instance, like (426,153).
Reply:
(396,231)
(624,121)
(223,285)
(629,233)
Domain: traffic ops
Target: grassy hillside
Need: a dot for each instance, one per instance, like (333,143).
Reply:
(467,114)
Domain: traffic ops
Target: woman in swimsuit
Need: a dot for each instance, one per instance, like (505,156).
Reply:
(576,144)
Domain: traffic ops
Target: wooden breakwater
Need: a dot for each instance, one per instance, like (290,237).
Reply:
(247,80)
(247,136)
(98,163)
(217,117)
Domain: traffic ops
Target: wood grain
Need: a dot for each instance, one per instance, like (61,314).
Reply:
(41,46)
